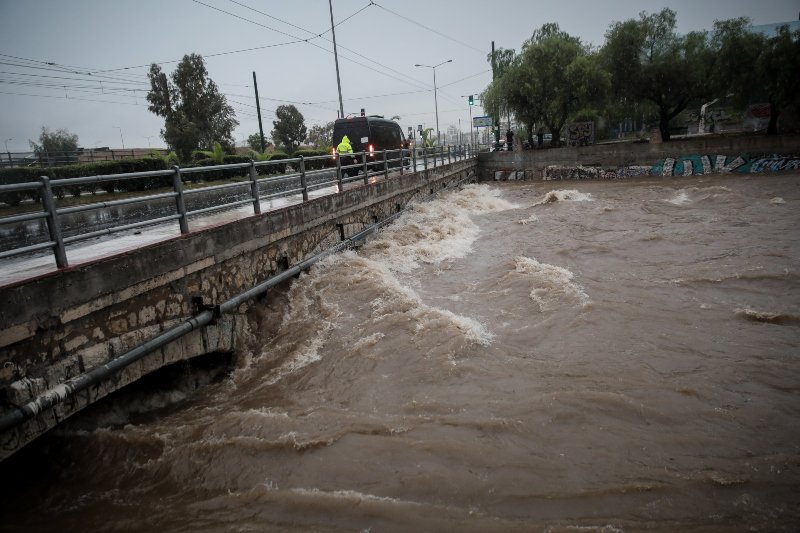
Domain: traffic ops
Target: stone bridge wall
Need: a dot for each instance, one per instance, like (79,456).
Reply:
(60,325)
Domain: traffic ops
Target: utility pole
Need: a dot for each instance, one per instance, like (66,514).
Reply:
(336,58)
(258,109)
(495,112)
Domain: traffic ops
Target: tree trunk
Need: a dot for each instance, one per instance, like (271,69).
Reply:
(530,135)
(772,129)
(556,140)
(663,124)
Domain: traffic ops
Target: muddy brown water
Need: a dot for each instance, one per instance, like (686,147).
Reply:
(540,356)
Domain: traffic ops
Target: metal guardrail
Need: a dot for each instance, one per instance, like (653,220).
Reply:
(371,164)
(74,157)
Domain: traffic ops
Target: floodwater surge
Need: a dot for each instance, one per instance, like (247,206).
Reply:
(606,356)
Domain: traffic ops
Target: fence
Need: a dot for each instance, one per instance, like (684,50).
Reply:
(349,168)
(49,159)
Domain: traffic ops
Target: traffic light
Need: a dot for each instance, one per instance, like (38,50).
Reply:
(471,100)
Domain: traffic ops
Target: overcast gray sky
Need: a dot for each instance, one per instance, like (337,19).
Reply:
(379,44)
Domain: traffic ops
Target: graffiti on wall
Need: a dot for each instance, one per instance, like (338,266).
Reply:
(695,165)
(690,165)
(580,133)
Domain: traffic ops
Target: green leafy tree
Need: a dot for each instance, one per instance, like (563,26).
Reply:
(321,135)
(196,114)
(289,128)
(553,77)
(254,141)
(56,144)
(773,67)
(648,60)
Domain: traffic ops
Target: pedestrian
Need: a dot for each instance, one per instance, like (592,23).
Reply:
(510,139)
(345,151)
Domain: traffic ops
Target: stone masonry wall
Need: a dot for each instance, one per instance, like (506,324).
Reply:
(62,324)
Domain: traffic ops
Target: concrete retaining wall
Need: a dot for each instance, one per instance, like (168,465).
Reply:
(62,324)
(619,160)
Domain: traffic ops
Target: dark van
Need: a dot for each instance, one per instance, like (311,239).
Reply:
(370,134)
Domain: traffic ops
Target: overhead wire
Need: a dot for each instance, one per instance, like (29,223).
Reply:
(320,35)
(100,76)
(426,27)
(307,41)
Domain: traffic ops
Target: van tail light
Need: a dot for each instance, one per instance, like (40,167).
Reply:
(333,152)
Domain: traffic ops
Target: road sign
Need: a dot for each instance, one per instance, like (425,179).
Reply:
(482,122)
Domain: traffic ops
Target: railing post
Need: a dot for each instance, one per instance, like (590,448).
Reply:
(414,159)
(425,161)
(435,156)
(366,168)
(180,205)
(53,224)
(254,188)
(402,160)
(339,183)
(385,165)
(303,178)
(448,155)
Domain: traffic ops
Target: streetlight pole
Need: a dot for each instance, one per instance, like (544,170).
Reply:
(120,136)
(7,152)
(435,98)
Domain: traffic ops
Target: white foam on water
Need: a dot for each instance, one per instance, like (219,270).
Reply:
(767,317)
(551,284)
(532,218)
(368,342)
(428,233)
(693,194)
(435,231)
(777,201)
(565,195)
(681,198)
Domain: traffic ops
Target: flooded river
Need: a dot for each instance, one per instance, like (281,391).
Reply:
(539,356)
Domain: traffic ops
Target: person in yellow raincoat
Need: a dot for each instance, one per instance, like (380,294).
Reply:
(345,151)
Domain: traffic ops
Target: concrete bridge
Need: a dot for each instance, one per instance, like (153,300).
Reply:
(69,338)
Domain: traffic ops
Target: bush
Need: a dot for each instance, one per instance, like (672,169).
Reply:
(279,168)
(121,166)
(10,176)
(221,174)
(317,163)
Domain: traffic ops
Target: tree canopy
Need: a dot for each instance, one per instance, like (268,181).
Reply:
(645,70)
(773,67)
(195,114)
(321,135)
(648,60)
(254,141)
(289,128)
(55,143)
(552,78)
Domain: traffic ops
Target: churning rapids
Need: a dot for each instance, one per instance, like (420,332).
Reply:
(546,356)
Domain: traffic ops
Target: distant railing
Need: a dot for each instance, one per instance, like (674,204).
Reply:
(347,168)
(51,159)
